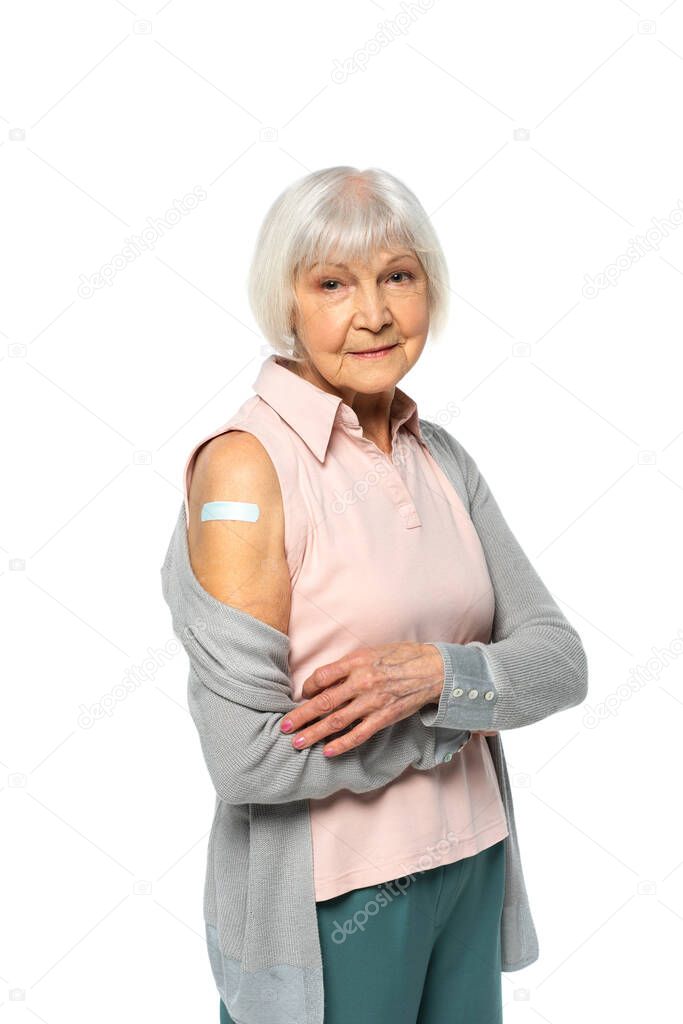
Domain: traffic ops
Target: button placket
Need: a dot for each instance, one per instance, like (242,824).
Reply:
(402,498)
(395,485)
(392,481)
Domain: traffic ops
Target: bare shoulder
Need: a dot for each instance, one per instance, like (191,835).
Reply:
(241,563)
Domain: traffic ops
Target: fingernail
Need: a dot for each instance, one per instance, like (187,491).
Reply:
(286,725)
(328,751)
(299,741)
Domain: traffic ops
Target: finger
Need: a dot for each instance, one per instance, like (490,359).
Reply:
(312,709)
(363,731)
(333,672)
(309,689)
(324,731)
(354,738)
(320,722)
(370,720)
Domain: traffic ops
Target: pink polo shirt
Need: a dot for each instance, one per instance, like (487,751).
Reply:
(380,549)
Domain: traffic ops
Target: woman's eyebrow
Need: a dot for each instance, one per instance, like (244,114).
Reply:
(343,266)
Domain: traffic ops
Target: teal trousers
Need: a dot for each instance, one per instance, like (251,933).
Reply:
(421,949)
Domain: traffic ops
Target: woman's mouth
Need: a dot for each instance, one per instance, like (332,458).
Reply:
(377,353)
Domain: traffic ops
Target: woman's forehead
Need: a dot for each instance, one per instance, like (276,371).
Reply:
(382,257)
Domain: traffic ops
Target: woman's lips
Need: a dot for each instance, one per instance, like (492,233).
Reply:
(377,354)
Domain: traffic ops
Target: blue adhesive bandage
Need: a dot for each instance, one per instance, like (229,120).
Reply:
(245,511)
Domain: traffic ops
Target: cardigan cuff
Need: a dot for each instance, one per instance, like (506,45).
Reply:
(448,744)
(469,695)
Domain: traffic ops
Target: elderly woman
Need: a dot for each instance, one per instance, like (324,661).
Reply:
(328,518)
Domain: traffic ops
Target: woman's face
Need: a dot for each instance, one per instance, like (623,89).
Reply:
(345,310)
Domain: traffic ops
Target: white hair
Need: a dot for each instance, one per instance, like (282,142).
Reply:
(352,214)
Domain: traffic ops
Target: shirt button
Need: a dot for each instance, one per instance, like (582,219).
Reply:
(447,757)
(472,694)
(457,692)
(488,695)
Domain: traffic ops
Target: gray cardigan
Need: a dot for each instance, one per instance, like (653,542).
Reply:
(259,899)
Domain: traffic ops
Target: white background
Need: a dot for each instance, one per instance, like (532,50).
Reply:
(542,139)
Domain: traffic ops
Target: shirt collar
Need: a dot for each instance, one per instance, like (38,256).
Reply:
(312,412)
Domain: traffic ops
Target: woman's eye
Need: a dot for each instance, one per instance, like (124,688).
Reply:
(397,273)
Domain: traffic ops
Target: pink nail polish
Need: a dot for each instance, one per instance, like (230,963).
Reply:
(299,740)
(286,725)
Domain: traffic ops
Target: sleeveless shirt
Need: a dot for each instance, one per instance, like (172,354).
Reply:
(380,549)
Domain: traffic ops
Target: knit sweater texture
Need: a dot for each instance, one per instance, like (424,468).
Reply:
(259,902)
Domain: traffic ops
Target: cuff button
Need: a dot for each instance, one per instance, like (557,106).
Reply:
(457,692)
(447,757)
(488,695)
(472,694)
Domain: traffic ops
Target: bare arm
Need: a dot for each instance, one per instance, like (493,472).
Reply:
(242,564)
(230,603)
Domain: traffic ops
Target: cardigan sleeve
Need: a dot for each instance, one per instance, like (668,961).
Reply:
(239,690)
(535,663)
(250,760)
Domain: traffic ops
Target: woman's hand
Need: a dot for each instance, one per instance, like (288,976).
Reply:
(374,686)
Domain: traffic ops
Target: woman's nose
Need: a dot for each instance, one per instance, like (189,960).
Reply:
(373,310)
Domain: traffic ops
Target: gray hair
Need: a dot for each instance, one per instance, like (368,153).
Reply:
(349,212)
